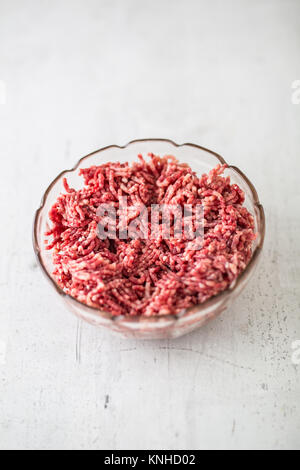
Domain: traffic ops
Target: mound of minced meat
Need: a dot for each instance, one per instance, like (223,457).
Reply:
(151,275)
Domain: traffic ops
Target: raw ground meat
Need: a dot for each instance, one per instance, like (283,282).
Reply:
(145,276)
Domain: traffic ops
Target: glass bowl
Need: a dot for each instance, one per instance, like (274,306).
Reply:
(162,326)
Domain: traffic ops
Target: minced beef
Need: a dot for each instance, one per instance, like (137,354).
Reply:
(146,276)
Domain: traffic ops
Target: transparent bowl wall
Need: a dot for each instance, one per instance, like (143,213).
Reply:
(170,326)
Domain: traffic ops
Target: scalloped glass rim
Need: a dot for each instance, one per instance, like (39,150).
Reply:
(132,322)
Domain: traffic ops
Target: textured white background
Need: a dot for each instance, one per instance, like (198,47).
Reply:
(84,74)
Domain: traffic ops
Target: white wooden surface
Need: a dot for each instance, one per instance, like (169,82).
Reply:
(80,75)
